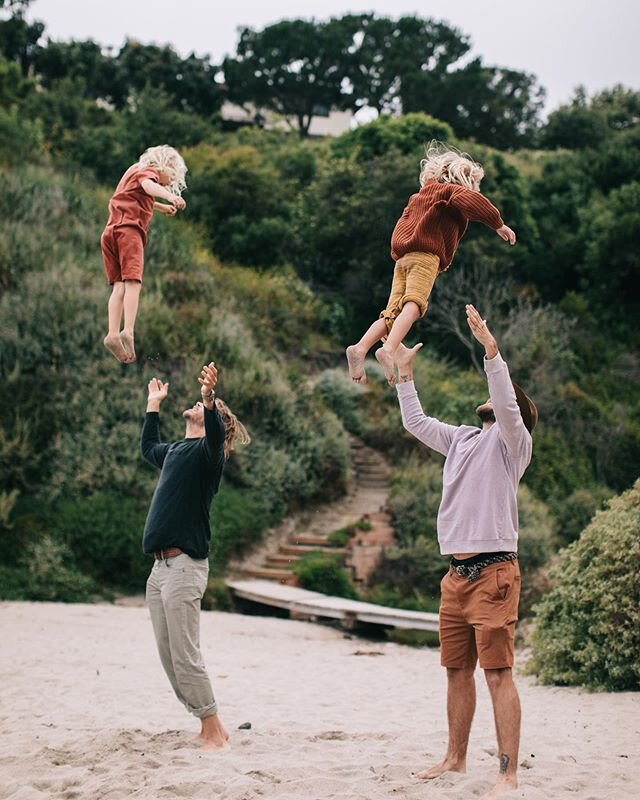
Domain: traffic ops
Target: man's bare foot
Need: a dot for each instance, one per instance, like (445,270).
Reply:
(114,346)
(446,765)
(126,340)
(504,784)
(355,358)
(210,745)
(213,733)
(385,358)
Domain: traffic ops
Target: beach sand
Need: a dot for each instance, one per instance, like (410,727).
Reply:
(87,712)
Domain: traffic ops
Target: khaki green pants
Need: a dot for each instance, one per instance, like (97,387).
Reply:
(174,591)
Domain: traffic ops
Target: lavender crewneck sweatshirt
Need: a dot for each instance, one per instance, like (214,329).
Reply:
(479,511)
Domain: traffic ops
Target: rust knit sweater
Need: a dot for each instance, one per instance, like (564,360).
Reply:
(436,218)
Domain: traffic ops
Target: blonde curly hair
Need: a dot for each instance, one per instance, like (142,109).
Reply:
(446,164)
(168,160)
(234,430)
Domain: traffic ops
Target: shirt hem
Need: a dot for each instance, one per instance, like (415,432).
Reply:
(478,546)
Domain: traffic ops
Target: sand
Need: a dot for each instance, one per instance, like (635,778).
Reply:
(86,712)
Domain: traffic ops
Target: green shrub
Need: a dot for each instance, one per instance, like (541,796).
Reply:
(413,572)
(588,625)
(574,512)
(217,596)
(407,134)
(52,574)
(104,534)
(535,537)
(321,572)
(341,537)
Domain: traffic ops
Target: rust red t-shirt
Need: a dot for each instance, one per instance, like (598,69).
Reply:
(130,204)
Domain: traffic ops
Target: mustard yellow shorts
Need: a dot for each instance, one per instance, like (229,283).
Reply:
(413,279)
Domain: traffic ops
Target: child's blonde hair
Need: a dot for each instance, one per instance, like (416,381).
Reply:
(445,164)
(168,160)
(234,430)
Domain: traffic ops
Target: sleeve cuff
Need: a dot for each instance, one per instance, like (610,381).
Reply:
(405,389)
(495,364)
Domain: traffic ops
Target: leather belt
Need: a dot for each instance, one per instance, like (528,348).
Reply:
(167,552)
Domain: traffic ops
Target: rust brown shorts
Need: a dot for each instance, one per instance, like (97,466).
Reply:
(413,278)
(122,253)
(478,620)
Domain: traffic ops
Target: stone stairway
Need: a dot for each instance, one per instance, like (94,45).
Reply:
(308,532)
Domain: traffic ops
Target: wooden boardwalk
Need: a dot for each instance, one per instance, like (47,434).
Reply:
(303,603)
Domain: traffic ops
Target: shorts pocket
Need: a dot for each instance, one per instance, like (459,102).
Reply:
(504,581)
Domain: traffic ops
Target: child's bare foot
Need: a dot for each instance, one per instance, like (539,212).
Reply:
(385,358)
(355,358)
(113,344)
(126,341)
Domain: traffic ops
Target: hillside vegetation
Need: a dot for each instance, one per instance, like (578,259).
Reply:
(280,260)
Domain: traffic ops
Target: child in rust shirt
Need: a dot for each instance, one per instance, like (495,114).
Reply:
(158,174)
(423,244)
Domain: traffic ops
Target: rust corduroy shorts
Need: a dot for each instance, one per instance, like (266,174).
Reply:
(413,279)
(478,620)
(122,253)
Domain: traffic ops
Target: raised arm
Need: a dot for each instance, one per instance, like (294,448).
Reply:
(503,397)
(152,449)
(428,430)
(213,424)
(475,207)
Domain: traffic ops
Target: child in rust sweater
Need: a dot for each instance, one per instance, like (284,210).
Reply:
(423,244)
(159,174)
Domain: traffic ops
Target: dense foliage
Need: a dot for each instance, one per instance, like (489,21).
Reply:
(588,624)
(281,258)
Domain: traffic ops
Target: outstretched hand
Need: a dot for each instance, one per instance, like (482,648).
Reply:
(505,232)
(403,358)
(178,202)
(157,390)
(480,331)
(208,380)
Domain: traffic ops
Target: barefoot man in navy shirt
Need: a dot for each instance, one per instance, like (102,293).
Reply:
(177,534)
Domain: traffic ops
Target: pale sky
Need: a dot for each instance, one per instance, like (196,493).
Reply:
(563,42)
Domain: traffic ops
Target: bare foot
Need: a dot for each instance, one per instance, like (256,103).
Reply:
(386,360)
(114,346)
(504,784)
(355,358)
(446,765)
(210,745)
(213,733)
(126,340)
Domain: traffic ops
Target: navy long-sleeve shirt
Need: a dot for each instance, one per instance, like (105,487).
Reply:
(190,476)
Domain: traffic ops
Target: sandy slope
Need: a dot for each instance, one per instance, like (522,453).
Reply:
(86,712)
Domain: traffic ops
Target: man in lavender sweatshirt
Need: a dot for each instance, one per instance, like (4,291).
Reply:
(478,527)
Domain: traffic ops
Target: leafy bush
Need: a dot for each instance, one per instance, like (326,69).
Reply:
(588,625)
(217,596)
(407,134)
(321,572)
(341,537)
(535,537)
(52,574)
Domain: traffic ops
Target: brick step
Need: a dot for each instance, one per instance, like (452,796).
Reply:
(265,573)
(281,560)
(303,549)
(373,472)
(312,539)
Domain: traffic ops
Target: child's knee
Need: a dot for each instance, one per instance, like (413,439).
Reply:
(412,308)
